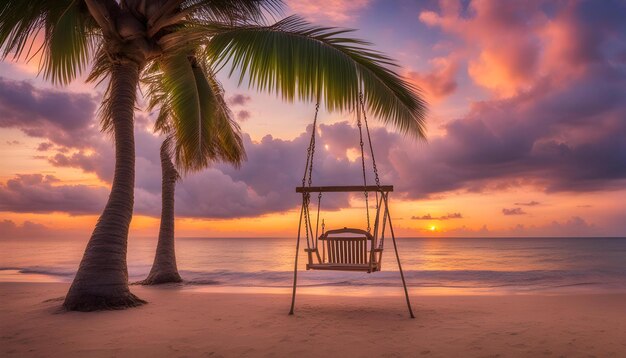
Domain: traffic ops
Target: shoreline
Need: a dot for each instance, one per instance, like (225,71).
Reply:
(182,322)
(15,275)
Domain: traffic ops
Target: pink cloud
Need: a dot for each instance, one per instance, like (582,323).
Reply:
(329,11)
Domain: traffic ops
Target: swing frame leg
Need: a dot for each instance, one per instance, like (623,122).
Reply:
(395,247)
(295,266)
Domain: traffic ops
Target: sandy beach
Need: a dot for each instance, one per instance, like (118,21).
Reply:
(179,322)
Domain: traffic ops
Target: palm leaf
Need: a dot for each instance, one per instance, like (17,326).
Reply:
(194,112)
(176,12)
(69,35)
(300,61)
(231,11)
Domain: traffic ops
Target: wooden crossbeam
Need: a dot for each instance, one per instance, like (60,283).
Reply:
(343,189)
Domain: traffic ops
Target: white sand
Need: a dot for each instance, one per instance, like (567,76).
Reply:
(181,323)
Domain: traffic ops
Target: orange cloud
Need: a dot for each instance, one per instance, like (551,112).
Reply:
(501,40)
(440,82)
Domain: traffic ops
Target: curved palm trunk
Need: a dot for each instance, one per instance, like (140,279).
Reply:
(164,268)
(102,278)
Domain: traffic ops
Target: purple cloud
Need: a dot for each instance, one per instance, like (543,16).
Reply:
(530,203)
(513,211)
(44,146)
(35,193)
(243,115)
(239,99)
(443,217)
(63,118)
(28,229)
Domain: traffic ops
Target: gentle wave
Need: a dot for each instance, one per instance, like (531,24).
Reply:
(460,279)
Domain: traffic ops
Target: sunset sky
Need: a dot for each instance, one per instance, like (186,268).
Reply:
(526,134)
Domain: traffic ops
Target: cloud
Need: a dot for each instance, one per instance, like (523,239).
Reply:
(44,146)
(440,82)
(333,11)
(263,185)
(243,115)
(530,203)
(485,26)
(513,211)
(509,45)
(13,142)
(555,130)
(479,152)
(35,193)
(443,217)
(558,136)
(239,99)
(28,229)
(575,226)
(63,118)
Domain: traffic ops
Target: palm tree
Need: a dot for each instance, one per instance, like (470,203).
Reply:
(214,132)
(120,39)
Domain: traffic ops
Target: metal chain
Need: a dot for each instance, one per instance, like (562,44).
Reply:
(309,168)
(358,123)
(311,150)
(323,246)
(317,225)
(306,199)
(369,139)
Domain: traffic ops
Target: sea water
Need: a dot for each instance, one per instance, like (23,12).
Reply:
(431,265)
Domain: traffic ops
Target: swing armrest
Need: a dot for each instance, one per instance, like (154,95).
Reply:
(378,250)
(310,250)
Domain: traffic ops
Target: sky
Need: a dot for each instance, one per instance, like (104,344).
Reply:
(526,134)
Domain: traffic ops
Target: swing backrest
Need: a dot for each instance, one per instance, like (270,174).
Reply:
(347,246)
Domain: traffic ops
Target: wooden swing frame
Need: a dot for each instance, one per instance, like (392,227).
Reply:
(346,253)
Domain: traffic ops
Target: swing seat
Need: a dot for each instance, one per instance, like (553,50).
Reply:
(347,250)
(343,267)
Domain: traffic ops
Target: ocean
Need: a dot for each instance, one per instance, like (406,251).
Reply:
(462,266)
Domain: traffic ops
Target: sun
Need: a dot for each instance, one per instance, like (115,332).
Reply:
(433,228)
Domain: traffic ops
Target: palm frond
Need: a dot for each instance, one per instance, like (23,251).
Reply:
(228,133)
(177,12)
(233,11)
(20,22)
(300,61)
(192,109)
(68,41)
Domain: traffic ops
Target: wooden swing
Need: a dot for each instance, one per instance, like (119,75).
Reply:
(345,249)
